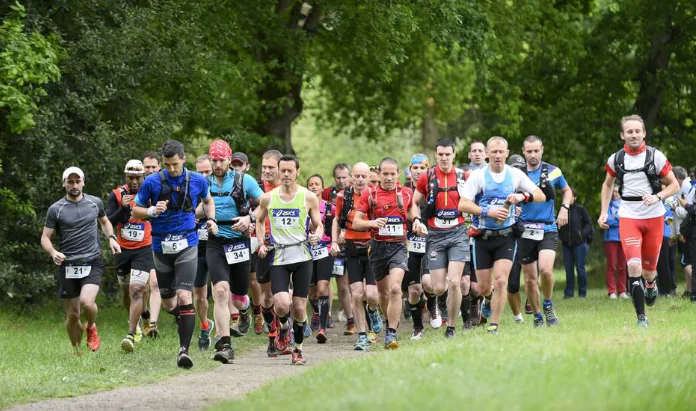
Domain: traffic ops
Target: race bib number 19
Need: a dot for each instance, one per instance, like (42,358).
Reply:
(133,232)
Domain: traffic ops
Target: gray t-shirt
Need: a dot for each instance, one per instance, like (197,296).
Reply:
(76,224)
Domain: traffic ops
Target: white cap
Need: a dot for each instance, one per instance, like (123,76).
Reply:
(134,167)
(73,170)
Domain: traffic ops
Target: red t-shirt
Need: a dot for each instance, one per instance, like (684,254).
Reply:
(386,205)
(358,236)
(447,215)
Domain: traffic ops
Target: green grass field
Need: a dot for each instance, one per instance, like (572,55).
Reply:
(36,360)
(595,359)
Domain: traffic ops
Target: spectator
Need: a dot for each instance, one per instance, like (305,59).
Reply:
(666,263)
(576,237)
(616,260)
(679,216)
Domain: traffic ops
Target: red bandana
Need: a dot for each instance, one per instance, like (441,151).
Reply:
(219,149)
(637,151)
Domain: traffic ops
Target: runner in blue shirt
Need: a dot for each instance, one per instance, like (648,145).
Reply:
(175,193)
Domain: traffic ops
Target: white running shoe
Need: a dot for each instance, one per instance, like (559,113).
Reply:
(612,296)
(436,322)
(623,295)
(417,335)
(518,318)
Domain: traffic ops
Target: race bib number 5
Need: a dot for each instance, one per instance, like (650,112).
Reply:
(237,253)
(73,272)
(286,218)
(393,228)
(174,244)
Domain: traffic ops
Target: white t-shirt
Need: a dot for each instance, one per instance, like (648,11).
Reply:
(474,184)
(637,184)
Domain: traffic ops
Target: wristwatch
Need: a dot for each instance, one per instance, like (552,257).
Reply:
(566,206)
(114,237)
(252,218)
(659,197)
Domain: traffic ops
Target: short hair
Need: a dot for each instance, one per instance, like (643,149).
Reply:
(340,166)
(632,117)
(387,160)
(444,143)
(151,154)
(476,141)
(692,171)
(272,154)
(172,148)
(574,191)
(290,157)
(680,172)
(202,158)
(532,139)
(494,139)
(317,176)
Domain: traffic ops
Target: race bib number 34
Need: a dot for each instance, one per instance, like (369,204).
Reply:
(237,253)
(73,272)
(286,218)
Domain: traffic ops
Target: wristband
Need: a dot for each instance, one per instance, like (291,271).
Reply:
(213,220)
(114,237)
(417,218)
(151,212)
(484,211)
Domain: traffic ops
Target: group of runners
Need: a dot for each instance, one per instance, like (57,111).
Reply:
(451,241)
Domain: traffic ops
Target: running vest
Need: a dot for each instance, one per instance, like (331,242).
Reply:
(544,182)
(185,204)
(494,194)
(648,168)
(135,233)
(289,224)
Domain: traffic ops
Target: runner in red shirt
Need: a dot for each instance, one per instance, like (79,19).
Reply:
(385,210)
(640,170)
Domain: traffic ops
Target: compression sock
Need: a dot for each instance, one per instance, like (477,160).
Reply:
(283,319)
(298,327)
(323,308)
(268,315)
(176,313)
(315,305)
(187,322)
(465,307)
(431,301)
(637,294)
(417,314)
(256,309)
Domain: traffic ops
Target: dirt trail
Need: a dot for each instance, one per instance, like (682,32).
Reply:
(197,390)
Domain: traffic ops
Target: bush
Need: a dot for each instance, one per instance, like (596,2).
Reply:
(24,288)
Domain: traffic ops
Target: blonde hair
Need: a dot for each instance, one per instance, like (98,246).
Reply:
(632,117)
(494,139)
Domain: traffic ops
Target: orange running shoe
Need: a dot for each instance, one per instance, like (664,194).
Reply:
(93,340)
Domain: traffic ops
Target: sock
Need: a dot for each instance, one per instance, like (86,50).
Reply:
(205,326)
(518,316)
(351,320)
(489,297)
(449,327)
(465,307)
(416,316)
(284,320)
(268,315)
(431,300)
(391,330)
(493,325)
(637,294)
(547,303)
(442,301)
(234,317)
(256,309)
(365,334)
(298,327)
(176,313)
(145,315)
(315,305)
(187,321)
(367,316)
(323,309)
(226,340)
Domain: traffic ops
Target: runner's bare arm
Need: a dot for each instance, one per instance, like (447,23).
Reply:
(672,185)
(607,188)
(469,207)
(361,224)
(47,245)
(261,215)
(108,229)
(562,216)
(315,215)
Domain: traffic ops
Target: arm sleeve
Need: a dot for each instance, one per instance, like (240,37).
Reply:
(114,212)
(252,187)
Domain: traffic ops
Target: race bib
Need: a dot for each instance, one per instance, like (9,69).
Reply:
(338,267)
(254,244)
(440,223)
(174,244)
(286,219)
(73,272)
(319,251)
(203,234)
(533,231)
(133,232)
(393,228)
(415,244)
(446,218)
(237,253)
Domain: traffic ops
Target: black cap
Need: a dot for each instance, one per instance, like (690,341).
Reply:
(239,156)
(517,161)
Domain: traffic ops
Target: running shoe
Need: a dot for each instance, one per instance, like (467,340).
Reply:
(435,319)
(342,316)
(363,344)
(518,318)
(650,294)
(330,323)
(282,340)
(152,331)
(449,332)
(315,324)
(351,328)
(128,343)
(390,342)
(321,336)
(492,329)
(375,320)
(417,335)
(612,296)
(224,354)
(307,331)
(486,309)
(272,351)
(642,321)
(624,296)
(204,339)
(183,360)
(528,307)
(468,325)
(234,328)
(258,324)
(550,315)
(297,358)
(244,321)
(372,337)
(538,321)
(138,333)
(93,340)
(475,313)
(406,308)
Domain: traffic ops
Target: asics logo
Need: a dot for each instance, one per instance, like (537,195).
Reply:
(394,220)
(286,213)
(446,214)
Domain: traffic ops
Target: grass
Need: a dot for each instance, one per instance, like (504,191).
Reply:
(36,360)
(595,359)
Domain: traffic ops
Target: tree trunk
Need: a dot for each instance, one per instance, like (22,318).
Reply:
(429,129)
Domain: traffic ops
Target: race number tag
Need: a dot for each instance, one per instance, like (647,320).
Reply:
(338,266)
(319,251)
(237,253)
(133,231)
(393,228)
(286,218)
(73,272)
(254,244)
(446,218)
(174,244)
(203,234)
(415,244)
(533,231)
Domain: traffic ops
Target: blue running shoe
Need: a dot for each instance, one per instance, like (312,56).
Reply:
(375,321)
(650,295)
(390,342)
(486,309)
(550,315)
(307,331)
(642,321)
(363,344)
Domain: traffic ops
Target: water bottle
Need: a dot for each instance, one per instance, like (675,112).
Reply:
(506,206)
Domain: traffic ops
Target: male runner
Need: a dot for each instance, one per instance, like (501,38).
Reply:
(293,211)
(80,268)
(200,284)
(151,312)
(491,193)
(175,192)
(640,170)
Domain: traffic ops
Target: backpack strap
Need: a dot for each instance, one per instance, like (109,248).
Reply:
(400,202)
(348,193)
